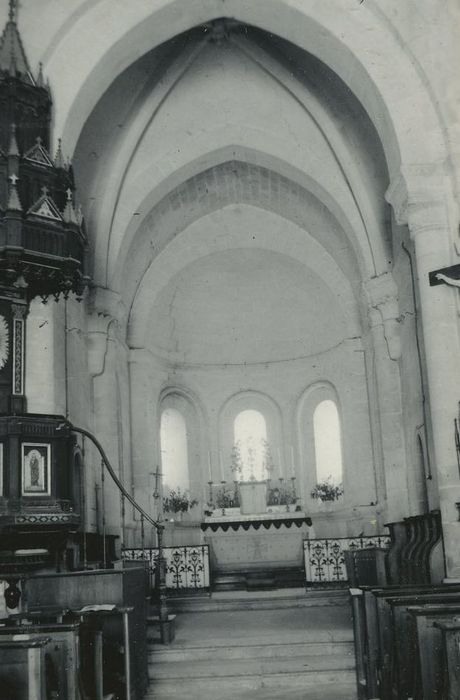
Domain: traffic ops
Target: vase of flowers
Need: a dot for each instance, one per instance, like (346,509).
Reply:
(178,502)
(326,491)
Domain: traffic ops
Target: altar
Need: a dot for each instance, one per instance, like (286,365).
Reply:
(263,541)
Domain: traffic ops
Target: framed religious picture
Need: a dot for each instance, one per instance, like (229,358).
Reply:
(36,469)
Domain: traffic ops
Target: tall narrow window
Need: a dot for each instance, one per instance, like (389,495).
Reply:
(328,443)
(251,448)
(174,454)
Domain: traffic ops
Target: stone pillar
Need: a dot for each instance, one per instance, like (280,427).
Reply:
(146,381)
(105,335)
(423,202)
(383,318)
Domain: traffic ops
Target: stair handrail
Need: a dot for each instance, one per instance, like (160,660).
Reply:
(160,580)
(156,524)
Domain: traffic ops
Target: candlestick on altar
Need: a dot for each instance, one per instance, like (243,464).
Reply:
(156,492)
(280,464)
(292,461)
(221,462)
(210,484)
(209,466)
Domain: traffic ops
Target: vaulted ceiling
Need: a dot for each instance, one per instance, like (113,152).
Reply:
(183,144)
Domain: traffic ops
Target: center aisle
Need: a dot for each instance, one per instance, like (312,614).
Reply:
(278,645)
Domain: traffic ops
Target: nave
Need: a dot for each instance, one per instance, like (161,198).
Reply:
(265,645)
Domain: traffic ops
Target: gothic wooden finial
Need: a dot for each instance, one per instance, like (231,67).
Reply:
(14,203)
(13,59)
(59,158)
(12,11)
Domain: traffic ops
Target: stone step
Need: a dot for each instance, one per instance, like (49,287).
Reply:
(342,689)
(314,684)
(251,667)
(286,636)
(263,579)
(183,653)
(230,601)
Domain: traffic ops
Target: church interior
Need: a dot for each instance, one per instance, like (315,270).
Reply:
(229,349)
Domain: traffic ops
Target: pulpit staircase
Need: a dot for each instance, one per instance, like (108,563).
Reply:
(270,645)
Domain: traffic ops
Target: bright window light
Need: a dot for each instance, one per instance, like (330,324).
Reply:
(174,455)
(328,443)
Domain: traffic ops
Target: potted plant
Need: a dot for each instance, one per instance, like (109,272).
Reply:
(178,502)
(227,500)
(326,491)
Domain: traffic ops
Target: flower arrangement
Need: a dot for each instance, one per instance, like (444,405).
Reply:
(280,495)
(254,452)
(327,491)
(178,502)
(236,464)
(226,498)
(268,464)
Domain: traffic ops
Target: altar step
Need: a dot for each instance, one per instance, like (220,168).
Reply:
(260,580)
(259,600)
(202,679)
(263,653)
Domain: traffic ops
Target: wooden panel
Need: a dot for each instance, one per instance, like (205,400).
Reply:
(73,590)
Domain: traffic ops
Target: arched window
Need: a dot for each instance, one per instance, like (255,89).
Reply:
(328,442)
(251,451)
(174,452)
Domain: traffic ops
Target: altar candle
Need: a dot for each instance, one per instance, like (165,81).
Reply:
(221,461)
(280,464)
(209,465)
(292,461)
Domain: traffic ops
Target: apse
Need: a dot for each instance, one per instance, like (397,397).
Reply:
(244,306)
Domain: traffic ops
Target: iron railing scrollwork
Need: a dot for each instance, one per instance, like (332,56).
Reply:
(187,566)
(325,559)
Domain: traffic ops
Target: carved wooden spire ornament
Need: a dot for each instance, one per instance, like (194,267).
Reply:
(42,241)
(41,254)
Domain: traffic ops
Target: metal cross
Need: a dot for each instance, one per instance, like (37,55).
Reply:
(45,190)
(13,179)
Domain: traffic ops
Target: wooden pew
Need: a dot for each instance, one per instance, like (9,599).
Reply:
(373,618)
(450,631)
(396,663)
(61,653)
(428,651)
(22,668)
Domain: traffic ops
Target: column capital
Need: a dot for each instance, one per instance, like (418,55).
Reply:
(106,303)
(420,196)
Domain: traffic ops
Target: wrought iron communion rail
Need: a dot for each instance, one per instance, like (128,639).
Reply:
(187,567)
(325,559)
